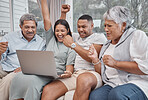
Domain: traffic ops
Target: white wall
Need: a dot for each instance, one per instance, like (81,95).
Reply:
(20,7)
(4,16)
(10,13)
(69,17)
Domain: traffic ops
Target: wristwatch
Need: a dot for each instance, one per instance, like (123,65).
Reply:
(73,45)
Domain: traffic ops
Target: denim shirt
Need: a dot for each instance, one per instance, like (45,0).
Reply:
(16,41)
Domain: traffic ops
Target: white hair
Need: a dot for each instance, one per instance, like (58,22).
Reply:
(118,14)
(27,16)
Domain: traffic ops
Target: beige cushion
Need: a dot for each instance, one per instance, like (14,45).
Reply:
(0,37)
(69,95)
(61,98)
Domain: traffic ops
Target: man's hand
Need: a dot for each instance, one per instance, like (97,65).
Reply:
(68,41)
(3,47)
(65,8)
(109,61)
(17,70)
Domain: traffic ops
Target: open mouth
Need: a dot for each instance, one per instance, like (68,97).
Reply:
(107,34)
(30,34)
(60,37)
(82,33)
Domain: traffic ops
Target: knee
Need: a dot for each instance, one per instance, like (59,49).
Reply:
(8,78)
(46,89)
(85,79)
(115,94)
(93,96)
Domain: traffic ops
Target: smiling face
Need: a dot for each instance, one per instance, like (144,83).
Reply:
(113,30)
(29,29)
(84,28)
(60,32)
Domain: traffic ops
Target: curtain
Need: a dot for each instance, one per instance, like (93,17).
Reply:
(54,8)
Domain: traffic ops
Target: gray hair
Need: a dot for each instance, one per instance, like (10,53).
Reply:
(119,14)
(28,17)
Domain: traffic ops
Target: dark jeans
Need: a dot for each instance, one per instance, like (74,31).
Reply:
(122,92)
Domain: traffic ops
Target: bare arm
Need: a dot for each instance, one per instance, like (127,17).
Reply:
(128,66)
(64,9)
(70,68)
(46,15)
(68,72)
(131,67)
(82,52)
(93,55)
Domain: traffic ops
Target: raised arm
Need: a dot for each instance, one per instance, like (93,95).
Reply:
(64,9)
(46,15)
(68,40)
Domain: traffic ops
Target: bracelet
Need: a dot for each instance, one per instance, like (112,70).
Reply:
(96,63)
(69,72)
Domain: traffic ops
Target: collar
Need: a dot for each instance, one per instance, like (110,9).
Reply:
(83,39)
(22,37)
(124,36)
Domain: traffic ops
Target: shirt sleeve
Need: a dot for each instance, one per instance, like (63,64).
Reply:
(139,50)
(75,36)
(48,35)
(99,38)
(71,57)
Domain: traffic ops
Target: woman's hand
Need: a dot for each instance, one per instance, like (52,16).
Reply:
(109,61)
(66,74)
(65,8)
(92,54)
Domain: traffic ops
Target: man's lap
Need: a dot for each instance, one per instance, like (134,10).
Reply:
(23,85)
(70,83)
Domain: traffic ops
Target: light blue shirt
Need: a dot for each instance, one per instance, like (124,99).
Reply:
(16,41)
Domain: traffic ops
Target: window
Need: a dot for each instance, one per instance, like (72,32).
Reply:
(34,8)
(4,17)
(10,13)
(96,8)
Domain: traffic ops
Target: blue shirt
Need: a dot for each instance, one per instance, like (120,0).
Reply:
(16,41)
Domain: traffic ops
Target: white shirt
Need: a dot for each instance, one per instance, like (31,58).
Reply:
(110,72)
(85,43)
(140,56)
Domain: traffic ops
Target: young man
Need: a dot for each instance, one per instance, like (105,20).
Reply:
(83,66)
(26,39)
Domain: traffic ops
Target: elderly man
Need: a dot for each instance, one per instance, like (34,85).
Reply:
(26,39)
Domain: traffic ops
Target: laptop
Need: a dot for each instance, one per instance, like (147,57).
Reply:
(37,62)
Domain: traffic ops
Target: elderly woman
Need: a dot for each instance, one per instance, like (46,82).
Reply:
(123,60)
